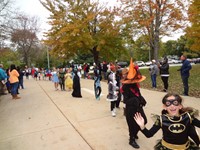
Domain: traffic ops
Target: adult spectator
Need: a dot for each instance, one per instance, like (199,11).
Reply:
(185,73)
(164,73)
(21,77)
(153,69)
(14,81)
(26,72)
(3,77)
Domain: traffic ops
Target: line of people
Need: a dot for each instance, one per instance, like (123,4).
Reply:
(177,122)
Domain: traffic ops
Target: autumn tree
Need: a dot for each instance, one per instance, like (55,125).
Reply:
(24,36)
(141,49)
(8,57)
(154,18)
(193,32)
(5,16)
(82,27)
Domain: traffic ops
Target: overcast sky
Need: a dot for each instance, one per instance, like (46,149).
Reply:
(35,8)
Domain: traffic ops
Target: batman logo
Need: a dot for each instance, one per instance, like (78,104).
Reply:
(176,128)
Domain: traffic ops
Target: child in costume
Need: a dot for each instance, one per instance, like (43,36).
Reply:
(133,100)
(177,124)
(97,84)
(68,80)
(112,90)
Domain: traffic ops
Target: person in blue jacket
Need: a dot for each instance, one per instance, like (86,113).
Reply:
(3,78)
(185,73)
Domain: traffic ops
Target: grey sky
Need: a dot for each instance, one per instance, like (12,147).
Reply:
(35,8)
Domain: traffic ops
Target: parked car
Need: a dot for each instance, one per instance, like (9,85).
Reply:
(170,61)
(148,63)
(91,67)
(140,63)
(175,61)
(197,60)
(122,64)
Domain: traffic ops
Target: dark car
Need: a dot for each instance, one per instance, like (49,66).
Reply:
(122,64)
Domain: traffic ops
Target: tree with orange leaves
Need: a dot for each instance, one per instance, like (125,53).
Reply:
(154,18)
(193,32)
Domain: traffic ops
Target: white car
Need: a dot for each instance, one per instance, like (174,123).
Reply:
(140,63)
(175,61)
(148,63)
(170,61)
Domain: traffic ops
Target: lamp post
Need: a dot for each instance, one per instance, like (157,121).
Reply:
(149,54)
(48,58)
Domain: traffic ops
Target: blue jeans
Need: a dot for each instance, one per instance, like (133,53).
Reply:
(153,80)
(105,75)
(14,87)
(185,84)
(21,83)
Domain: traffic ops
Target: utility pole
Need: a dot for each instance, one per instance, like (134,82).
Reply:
(48,58)
(149,54)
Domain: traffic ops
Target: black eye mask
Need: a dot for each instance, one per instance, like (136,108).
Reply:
(172,101)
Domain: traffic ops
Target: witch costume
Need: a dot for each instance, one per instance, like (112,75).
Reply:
(76,85)
(134,101)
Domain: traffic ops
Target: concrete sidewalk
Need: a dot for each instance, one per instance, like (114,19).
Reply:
(45,119)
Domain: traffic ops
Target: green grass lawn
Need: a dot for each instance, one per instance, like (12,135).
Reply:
(175,82)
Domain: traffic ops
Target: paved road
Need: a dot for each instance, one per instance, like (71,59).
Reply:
(45,119)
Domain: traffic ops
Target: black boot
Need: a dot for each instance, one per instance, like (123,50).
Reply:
(136,137)
(124,111)
(133,143)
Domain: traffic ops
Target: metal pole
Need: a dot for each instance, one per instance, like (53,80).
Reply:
(48,58)
(149,54)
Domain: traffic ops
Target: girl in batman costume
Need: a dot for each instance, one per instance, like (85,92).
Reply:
(177,124)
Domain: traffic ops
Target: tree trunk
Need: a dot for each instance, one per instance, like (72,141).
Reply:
(156,45)
(95,55)
(157,31)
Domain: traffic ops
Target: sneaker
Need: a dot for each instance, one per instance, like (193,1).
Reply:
(113,113)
